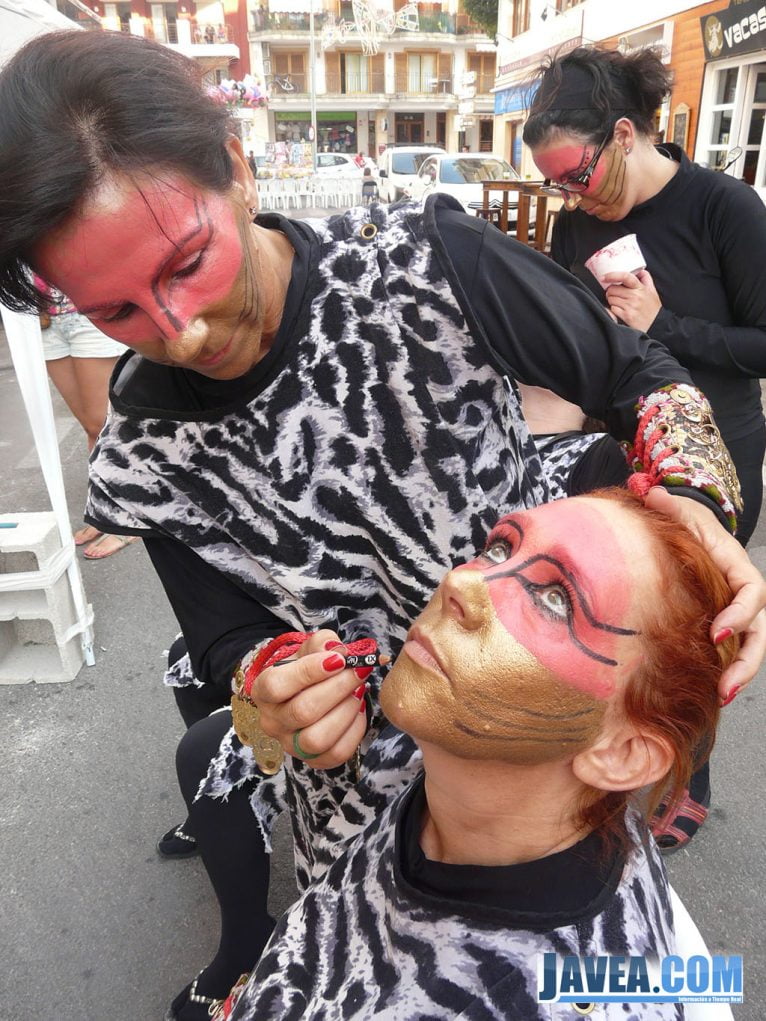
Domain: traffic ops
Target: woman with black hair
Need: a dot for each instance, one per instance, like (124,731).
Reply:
(314,423)
(702,236)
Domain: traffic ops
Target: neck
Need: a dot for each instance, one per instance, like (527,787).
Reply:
(495,813)
(650,170)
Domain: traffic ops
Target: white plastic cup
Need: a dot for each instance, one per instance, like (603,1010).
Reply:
(621,256)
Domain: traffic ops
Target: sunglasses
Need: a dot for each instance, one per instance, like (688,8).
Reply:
(577,185)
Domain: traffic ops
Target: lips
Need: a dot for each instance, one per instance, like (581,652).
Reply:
(216,358)
(420,649)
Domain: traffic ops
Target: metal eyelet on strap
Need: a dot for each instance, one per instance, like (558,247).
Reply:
(368,231)
(583,1009)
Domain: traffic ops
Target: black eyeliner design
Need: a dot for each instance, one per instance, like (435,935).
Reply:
(532,587)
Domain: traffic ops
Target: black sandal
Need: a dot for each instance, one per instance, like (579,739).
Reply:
(190,1005)
(177,844)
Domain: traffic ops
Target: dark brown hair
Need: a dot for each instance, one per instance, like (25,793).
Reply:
(610,85)
(75,106)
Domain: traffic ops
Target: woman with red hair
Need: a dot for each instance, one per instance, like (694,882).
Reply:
(548,680)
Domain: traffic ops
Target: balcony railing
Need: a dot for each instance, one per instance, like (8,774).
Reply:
(356,83)
(173,32)
(414,83)
(289,84)
(445,24)
(264,21)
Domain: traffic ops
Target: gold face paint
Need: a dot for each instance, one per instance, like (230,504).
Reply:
(520,653)
(486,697)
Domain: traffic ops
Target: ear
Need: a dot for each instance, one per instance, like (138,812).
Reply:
(243,175)
(624,758)
(625,133)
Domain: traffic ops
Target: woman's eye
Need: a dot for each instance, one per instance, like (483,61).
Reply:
(555,600)
(121,313)
(188,268)
(498,551)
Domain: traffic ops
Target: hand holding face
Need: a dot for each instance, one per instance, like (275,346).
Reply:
(313,693)
(633,298)
(745,614)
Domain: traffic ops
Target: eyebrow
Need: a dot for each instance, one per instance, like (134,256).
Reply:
(177,247)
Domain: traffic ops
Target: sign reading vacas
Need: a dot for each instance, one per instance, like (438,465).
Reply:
(740,28)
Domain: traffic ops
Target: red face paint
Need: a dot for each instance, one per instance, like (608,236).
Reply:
(605,195)
(561,586)
(166,268)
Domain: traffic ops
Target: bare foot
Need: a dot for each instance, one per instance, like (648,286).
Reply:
(85,535)
(107,545)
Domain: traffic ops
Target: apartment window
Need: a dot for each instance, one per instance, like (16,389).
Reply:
(355,70)
(520,21)
(422,72)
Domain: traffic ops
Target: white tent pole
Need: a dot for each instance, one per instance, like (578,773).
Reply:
(26,346)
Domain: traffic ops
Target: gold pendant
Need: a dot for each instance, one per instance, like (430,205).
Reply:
(246,717)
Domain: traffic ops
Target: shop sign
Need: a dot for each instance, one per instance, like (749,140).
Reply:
(739,28)
(515,99)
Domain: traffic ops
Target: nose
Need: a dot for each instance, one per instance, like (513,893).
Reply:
(184,342)
(465,597)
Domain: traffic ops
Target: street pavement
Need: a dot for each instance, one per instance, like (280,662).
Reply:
(95,926)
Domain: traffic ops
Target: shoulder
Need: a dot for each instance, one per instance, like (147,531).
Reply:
(722,194)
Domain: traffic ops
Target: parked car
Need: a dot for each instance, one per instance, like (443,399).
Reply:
(462,175)
(398,167)
(337,164)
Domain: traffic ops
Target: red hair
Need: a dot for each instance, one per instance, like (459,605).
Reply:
(674,693)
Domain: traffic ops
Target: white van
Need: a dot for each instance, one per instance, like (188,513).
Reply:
(398,168)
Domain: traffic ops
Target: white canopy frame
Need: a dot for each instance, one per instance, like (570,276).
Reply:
(21,20)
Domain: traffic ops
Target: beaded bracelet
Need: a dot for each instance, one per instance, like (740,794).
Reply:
(678,444)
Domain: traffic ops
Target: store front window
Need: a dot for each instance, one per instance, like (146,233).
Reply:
(336,132)
(734,101)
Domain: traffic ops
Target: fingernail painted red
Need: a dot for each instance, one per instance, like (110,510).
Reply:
(332,645)
(363,672)
(334,662)
(723,634)
(732,695)
(360,691)
(363,706)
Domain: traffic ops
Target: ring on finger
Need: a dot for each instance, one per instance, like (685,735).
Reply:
(299,752)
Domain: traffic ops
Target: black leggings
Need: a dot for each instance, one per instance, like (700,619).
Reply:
(231,846)
(747,455)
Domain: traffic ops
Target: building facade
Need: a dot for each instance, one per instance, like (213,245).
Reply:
(428,85)
(716,50)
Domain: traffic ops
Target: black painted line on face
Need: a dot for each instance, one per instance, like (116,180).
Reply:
(458,725)
(173,320)
(544,722)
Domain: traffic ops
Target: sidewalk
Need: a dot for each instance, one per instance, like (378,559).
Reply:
(95,926)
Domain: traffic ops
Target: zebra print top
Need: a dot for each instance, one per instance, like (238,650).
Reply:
(363,942)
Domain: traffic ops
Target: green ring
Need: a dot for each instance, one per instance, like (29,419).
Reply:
(299,751)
